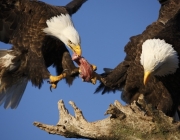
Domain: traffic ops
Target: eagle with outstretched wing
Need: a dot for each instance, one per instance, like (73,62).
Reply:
(39,34)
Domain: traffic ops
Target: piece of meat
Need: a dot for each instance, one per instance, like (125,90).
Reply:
(85,69)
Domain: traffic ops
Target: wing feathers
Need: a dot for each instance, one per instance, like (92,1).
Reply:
(74,6)
(12,96)
(11,86)
(21,24)
(113,79)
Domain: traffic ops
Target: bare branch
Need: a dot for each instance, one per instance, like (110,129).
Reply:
(125,122)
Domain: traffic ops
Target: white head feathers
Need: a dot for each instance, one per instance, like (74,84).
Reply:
(61,26)
(159,57)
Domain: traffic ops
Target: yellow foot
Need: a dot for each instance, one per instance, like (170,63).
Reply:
(55,79)
(94,67)
(93,80)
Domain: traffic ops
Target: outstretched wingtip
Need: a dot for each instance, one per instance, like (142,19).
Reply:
(12,96)
(73,6)
(162,2)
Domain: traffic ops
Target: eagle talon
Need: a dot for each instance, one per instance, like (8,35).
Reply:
(53,86)
(55,79)
(93,80)
(94,67)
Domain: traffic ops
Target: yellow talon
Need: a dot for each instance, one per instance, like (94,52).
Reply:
(94,67)
(55,79)
(93,80)
(53,86)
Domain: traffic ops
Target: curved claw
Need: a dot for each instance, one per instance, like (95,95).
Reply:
(55,79)
(50,88)
(53,86)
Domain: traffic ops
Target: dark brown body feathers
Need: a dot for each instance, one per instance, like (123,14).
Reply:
(162,92)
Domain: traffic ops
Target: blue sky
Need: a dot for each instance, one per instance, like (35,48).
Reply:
(105,27)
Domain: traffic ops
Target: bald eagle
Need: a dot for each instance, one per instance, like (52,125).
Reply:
(39,34)
(151,65)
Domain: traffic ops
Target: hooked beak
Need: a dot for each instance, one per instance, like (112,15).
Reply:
(76,49)
(146,76)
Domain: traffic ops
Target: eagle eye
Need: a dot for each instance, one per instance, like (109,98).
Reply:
(69,41)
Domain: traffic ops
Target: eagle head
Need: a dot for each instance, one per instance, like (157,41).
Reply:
(62,27)
(158,58)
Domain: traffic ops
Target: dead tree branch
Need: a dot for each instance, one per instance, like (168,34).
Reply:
(135,121)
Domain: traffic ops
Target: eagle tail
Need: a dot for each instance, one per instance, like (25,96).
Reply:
(12,85)
(73,6)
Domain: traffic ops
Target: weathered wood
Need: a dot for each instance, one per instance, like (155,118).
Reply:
(124,122)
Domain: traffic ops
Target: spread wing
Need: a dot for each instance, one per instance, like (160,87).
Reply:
(21,24)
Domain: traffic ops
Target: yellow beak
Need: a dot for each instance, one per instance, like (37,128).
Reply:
(146,76)
(76,49)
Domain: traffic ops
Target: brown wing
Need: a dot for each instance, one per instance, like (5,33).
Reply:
(161,92)
(73,6)
(21,24)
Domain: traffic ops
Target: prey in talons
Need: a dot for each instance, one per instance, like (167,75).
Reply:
(93,78)
(85,70)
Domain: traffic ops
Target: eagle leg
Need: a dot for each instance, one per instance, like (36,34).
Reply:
(75,71)
(55,79)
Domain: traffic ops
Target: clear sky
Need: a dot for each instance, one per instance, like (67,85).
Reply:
(105,27)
